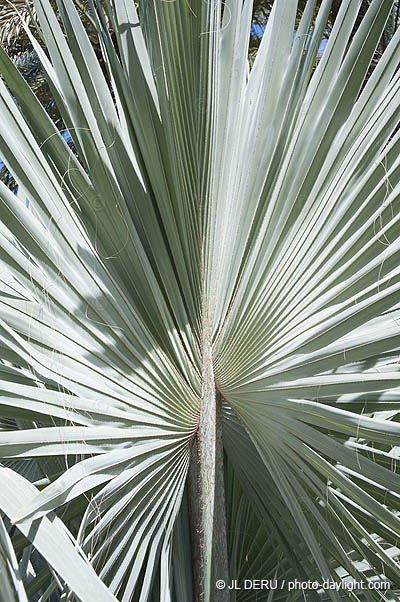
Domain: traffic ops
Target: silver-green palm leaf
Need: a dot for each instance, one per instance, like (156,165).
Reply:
(224,240)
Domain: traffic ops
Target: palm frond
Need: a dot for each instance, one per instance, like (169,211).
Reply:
(215,227)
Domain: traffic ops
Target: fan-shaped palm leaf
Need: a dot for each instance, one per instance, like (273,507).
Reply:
(218,266)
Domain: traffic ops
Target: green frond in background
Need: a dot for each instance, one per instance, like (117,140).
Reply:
(16,15)
(200,309)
